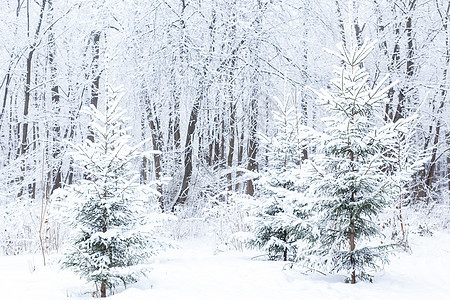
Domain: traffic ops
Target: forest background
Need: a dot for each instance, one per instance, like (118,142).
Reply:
(199,80)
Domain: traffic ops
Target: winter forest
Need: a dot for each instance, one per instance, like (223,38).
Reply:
(224,149)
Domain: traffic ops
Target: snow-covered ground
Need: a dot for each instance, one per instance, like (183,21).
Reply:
(198,271)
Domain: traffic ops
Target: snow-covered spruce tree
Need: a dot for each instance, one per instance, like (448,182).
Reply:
(347,175)
(279,211)
(106,209)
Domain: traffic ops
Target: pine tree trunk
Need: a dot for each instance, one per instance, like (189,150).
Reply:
(352,246)
(103,289)
(352,230)
(104,229)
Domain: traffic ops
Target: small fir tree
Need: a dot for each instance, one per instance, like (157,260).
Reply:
(278,222)
(106,209)
(348,176)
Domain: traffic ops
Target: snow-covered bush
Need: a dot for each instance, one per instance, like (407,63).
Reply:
(18,233)
(186,223)
(226,215)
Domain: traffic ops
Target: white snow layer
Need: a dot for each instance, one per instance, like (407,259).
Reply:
(198,271)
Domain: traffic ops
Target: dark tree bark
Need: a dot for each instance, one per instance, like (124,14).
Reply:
(56,173)
(447,138)
(253,145)
(240,154)
(231,143)
(341,23)
(29,64)
(6,82)
(184,191)
(95,73)
(231,83)
(402,95)
(253,139)
(202,90)
(352,233)
(217,136)
(156,143)
(443,94)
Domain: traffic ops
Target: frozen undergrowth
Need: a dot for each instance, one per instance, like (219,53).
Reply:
(198,271)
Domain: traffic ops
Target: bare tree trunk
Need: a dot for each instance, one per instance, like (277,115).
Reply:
(443,94)
(341,23)
(240,154)
(252,139)
(231,83)
(156,143)
(394,64)
(231,143)
(358,29)
(183,53)
(68,135)
(399,113)
(447,138)
(174,136)
(253,145)
(29,63)
(209,157)
(184,192)
(222,143)
(8,77)
(217,135)
(56,174)
(202,90)
(433,160)
(95,74)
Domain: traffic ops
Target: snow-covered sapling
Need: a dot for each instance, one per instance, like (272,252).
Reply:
(107,208)
(280,211)
(347,175)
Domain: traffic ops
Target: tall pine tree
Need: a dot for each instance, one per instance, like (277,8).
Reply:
(348,176)
(107,208)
